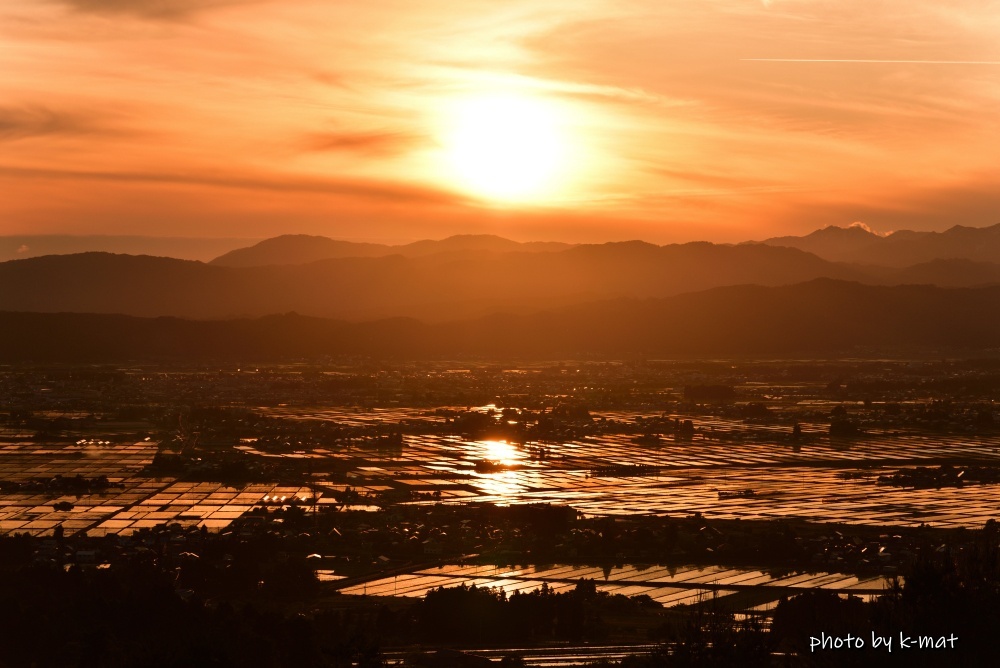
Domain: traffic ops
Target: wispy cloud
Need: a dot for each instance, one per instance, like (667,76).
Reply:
(366,143)
(483,79)
(149,9)
(769,107)
(359,188)
(34,121)
(711,179)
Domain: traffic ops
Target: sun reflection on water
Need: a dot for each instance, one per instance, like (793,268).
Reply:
(503,487)
(502,452)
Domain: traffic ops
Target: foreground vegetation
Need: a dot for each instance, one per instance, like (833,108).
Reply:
(138,613)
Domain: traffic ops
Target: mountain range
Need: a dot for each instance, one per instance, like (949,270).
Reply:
(821,317)
(438,294)
(459,277)
(303,248)
(21,246)
(855,244)
(436,287)
(859,244)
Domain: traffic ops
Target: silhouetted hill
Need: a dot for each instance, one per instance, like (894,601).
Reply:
(821,317)
(440,286)
(950,273)
(899,249)
(22,246)
(302,249)
(839,244)
(478,242)
(297,249)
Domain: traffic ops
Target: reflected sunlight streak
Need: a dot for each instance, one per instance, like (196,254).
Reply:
(502,452)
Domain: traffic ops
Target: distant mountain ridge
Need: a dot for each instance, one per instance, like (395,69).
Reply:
(820,317)
(949,273)
(853,244)
(440,286)
(21,246)
(303,249)
(460,277)
(857,244)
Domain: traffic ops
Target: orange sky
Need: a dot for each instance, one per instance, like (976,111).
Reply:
(255,118)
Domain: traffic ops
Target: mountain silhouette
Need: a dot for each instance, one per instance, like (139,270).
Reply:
(817,317)
(20,246)
(303,248)
(857,244)
(437,287)
(949,273)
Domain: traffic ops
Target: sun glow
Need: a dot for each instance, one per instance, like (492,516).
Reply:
(502,453)
(506,147)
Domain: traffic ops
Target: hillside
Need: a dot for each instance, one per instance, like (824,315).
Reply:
(303,249)
(441,287)
(857,244)
(821,317)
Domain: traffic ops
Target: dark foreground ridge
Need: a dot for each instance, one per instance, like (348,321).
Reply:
(822,316)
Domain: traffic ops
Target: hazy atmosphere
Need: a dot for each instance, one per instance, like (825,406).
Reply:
(521,334)
(722,120)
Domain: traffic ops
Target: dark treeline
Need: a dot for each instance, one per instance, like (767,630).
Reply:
(137,614)
(133,616)
(478,616)
(943,596)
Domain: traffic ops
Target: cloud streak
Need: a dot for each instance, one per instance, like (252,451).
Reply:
(666,107)
(575,88)
(366,189)
(38,121)
(148,9)
(366,143)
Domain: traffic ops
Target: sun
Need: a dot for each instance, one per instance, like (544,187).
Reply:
(508,148)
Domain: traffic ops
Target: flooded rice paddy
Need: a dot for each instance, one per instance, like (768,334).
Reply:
(802,483)
(668,586)
(719,473)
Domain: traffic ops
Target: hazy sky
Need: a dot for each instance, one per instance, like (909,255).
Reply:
(579,121)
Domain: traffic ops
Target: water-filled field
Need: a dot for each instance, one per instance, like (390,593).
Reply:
(668,586)
(720,473)
(717,474)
